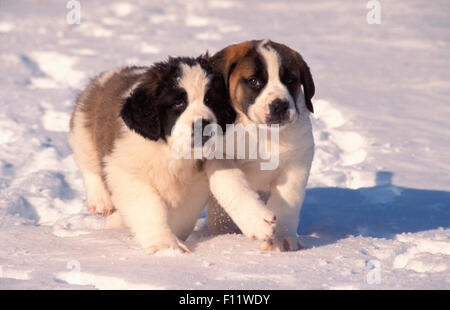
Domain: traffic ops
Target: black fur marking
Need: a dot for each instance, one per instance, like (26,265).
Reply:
(289,73)
(308,86)
(300,75)
(217,99)
(167,110)
(139,114)
(151,110)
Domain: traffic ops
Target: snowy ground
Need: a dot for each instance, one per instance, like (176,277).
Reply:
(377,212)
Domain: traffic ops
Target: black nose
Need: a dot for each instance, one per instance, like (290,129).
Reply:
(278,110)
(198,128)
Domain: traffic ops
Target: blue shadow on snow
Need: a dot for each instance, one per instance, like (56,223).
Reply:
(381,211)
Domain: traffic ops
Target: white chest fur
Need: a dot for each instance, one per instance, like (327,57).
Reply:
(144,172)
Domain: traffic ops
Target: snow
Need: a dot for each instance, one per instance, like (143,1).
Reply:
(377,209)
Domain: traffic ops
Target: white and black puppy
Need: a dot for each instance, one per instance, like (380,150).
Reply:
(264,81)
(122,132)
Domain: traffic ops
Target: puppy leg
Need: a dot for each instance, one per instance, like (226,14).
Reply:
(231,189)
(287,195)
(86,157)
(142,209)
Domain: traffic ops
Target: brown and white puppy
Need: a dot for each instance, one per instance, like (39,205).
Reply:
(264,81)
(122,132)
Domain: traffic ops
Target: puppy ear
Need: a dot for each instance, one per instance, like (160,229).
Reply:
(140,114)
(308,84)
(219,101)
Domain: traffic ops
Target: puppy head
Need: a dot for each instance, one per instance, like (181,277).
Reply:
(264,80)
(173,96)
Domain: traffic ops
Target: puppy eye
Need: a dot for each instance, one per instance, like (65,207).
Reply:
(180,105)
(289,79)
(253,82)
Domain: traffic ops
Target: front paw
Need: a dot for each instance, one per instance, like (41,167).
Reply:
(172,243)
(259,225)
(282,244)
(100,204)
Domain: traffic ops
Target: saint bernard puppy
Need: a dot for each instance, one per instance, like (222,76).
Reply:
(268,84)
(121,133)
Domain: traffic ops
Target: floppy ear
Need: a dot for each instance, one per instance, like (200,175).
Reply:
(219,101)
(308,84)
(140,114)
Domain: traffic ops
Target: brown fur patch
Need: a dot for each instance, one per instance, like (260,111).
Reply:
(226,58)
(101,105)
(228,62)
(244,69)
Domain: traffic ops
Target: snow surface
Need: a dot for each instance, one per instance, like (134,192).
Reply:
(377,210)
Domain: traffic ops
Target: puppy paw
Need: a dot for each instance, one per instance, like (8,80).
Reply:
(96,208)
(174,243)
(100,205)
(282,244)
(259,225)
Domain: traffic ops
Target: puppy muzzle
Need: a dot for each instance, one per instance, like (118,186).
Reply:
(280,113)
